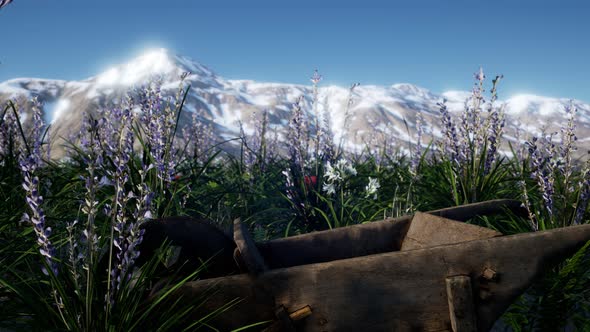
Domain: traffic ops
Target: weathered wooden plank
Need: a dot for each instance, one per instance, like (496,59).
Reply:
(248,251)
(366,239)
(461,306)
(491,207)
(400,291)
(339,243)
(427,230)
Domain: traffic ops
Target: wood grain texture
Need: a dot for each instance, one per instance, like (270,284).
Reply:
(365,239)
(248,251)
(427,230)
(461,307)
(395,291)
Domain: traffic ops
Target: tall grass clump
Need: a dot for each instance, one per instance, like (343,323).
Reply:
(467,157)
(80,274)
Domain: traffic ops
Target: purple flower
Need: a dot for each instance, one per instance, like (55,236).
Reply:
(127,232)
(582,201)
(316,77)
(345,127)
(29,162)
(198,137)
(584,195)
(248,152)
(495,130)
(297,135)
(326,137)
(543,165)
(418,146)
(160,122)
(451,143)
(568,144)
(289,184)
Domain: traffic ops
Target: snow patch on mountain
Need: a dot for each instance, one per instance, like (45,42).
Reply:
(151,63)
(59,109)
(13,90)
(543,106)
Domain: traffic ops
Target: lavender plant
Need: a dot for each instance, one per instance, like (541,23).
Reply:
(298,136)
(471,149)
(345,127)
(417,153)
(30,162)
(198,138)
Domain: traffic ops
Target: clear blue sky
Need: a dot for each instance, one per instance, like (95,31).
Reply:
(541,47)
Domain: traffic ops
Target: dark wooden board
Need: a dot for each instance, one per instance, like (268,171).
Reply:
(396,291)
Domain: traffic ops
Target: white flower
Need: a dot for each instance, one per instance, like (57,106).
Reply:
(329,188)
(372,187)
(332,173)
(345,168)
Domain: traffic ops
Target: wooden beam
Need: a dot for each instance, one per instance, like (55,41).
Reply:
(461,306)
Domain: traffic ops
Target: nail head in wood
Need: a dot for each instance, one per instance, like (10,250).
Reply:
(489,274)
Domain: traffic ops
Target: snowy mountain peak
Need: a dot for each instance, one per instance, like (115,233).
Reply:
(154,62)
(412,89)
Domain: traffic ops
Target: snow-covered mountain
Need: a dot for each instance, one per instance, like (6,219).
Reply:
(378,113)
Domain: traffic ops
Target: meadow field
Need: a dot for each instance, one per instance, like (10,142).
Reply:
(60,218)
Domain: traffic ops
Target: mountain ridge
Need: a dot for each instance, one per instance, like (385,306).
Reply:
(388,111)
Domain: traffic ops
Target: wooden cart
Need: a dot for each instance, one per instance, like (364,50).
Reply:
(426,272)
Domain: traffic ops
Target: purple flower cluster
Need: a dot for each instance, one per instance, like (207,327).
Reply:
(315,79)
(298,137)
(9,132)
(345,127)
(75,256)
(249,152)
(198,138)
(476,134)
(543,166)
(497,122)
(289,185)
(584,195)
(30,162)
(255,152)
(417,153)
(450,145)
(472,130)
(128,237)
(326,136)
(93,159)
(568,144)
(160,120)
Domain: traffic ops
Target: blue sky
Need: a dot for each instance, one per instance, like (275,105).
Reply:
(541,47)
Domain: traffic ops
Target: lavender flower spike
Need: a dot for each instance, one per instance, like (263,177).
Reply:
(29,163)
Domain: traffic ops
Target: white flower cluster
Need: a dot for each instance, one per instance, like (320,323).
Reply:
(336,174)
(372,187)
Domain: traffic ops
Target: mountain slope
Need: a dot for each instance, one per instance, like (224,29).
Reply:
(378,114)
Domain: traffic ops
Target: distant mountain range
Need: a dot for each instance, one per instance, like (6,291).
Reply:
(377,113)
